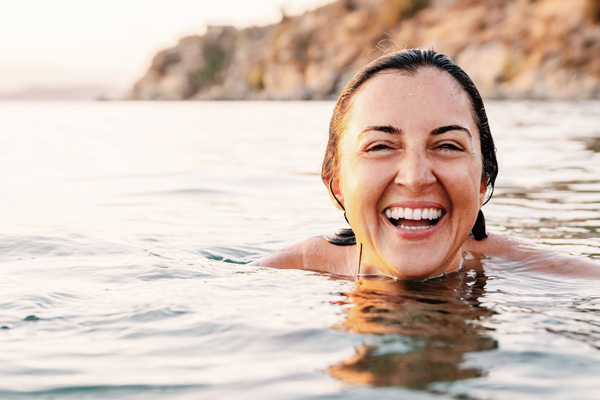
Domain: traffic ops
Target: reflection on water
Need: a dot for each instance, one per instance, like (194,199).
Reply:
(426,328)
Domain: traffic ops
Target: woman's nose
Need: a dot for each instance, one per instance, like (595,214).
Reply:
(414,171)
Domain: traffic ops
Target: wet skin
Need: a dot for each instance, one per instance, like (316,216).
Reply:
(410,175)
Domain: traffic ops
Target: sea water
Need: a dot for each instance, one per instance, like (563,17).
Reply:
(126,229)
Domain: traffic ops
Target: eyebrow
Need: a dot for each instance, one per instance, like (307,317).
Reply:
(392,130)
(444,129)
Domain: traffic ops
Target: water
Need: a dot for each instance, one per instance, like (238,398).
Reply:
(126,228)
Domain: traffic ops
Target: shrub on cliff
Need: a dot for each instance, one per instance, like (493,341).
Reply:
(214,60)
(401,9)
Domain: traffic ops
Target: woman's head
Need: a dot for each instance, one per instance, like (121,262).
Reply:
(410,159)
(409,61)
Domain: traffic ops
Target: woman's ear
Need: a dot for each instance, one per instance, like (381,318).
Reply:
(483,189)
(335,193)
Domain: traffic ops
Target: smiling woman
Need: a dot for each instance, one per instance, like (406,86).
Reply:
(403,158)
(410,160)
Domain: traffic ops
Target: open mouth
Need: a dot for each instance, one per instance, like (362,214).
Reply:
(414,218)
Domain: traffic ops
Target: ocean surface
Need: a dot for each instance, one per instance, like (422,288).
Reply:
(126,229)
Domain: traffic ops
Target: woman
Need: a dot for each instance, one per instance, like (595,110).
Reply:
(410,161)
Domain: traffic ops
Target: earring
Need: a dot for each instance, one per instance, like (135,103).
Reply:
(479,232)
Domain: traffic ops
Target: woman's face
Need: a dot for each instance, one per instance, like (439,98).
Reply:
(410,175)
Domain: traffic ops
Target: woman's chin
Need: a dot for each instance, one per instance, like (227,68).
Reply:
(421,259)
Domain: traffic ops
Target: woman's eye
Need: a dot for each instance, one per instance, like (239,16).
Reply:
(449,146)
(378,147)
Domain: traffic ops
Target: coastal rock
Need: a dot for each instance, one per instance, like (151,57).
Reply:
(517,49)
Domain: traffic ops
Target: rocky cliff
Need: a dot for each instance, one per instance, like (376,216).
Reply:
(511,49)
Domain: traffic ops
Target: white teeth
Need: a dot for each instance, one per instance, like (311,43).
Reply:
(413,228)
(415,214)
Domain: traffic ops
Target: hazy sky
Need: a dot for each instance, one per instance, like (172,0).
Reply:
(110,42)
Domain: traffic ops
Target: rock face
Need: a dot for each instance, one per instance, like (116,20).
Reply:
(511,49)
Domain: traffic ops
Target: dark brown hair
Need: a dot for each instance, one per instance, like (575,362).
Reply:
(409,61)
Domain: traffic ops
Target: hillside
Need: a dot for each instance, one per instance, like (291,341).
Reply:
(511,49)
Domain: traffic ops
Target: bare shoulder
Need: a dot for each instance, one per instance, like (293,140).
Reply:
(494,245)
(534,258)
(313,254)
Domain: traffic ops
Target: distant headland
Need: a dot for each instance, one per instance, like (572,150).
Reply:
(521,49)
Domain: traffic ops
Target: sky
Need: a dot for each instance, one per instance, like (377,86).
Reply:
(110,43)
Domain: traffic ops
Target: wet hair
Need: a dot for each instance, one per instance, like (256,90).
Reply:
(409,61)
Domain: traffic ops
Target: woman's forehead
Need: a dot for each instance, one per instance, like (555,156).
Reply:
(396,97)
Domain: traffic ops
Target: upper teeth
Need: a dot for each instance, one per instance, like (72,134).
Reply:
(413,213)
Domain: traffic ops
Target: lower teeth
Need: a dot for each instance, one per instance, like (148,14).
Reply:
(413,228)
